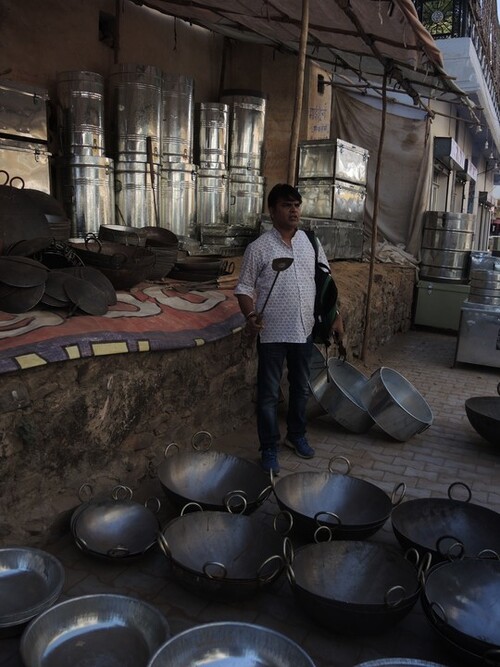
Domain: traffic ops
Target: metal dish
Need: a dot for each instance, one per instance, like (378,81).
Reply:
(483,413)
(31,582)
(353,587)
(398,662)
(230,645)
(102,629)
(225,556)
(115,527)
(215,480)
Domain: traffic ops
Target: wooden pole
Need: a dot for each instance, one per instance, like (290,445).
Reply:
(376,187)
(299,93)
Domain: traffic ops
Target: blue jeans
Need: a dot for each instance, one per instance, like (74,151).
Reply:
(270,369)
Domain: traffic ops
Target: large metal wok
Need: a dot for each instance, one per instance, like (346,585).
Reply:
(229,644)
(445,527)
(483,413)
(215,480)
(353,587)
(95,630)
(332,502)
(462,598)
(115,527)
(225,556)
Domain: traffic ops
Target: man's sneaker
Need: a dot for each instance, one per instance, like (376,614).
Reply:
(301,446)
(269,461)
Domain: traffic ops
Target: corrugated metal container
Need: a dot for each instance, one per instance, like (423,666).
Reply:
(333,159)
(135,102)
(247,124)
(446,246)
(246,194)
(177,122)
(23,110)
(212,198)
(439,304)
(80,112)
(478,337)
(485,287)
(178,199)
(137,194)
(26,161)
(340,200)
(214,135)
(86,189)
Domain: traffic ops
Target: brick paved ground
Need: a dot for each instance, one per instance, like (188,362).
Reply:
(427,463)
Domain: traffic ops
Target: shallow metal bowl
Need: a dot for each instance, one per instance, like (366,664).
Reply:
(31,581)
(398,662)
(102,629)
(230,645)
(483,413)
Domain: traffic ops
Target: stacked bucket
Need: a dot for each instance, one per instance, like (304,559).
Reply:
(230,184)
(178,173)
(446,246)
(84,174)
(135,112)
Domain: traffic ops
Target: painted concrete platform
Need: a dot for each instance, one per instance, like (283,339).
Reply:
(449,451)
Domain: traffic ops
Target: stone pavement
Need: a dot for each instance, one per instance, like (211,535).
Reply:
(428,463)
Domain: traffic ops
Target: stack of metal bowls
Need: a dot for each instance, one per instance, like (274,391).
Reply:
(31,582)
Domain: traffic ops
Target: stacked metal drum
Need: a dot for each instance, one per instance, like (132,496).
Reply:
(446,246)
(135,114)
(332,182)
(85,176)
(230,184)
(178,173)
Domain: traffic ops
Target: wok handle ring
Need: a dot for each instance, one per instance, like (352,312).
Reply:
(171,445)
(85,488)
(398,489)
(464,485)
(286,514)
(17,178)
(235,495)
(122,492)
(489,553)
(200,435)
(80,543)
(274,573)
(323,526)
(424,566)
(264,494)
(191,504)
(339,458)
(216,564)
(290,574)
(156,504)
(118,552)
(440,617)
(412,553)
(162,541)
(7,176)
(449,553)
(288,551)
(390,592)
(92,237)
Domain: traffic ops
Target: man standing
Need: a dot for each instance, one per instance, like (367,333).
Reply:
(284,330)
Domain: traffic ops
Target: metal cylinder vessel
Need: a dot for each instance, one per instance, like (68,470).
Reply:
(87,191)
(246,194)
(213,135)
(80,113)
(177,119)
(135,110)
(212,203)
(178,199)
(137,194)
(485,287)
(446,246)
(247,122)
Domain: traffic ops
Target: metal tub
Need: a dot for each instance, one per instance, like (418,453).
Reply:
(87,191)
(177,121)
(395,405)
(248,116)
(80,112)
(214,135)
(341,396)
(178,199)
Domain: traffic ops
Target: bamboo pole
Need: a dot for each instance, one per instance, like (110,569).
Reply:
(299,93)
(375,220)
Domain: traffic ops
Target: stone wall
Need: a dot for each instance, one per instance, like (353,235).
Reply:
(107,420)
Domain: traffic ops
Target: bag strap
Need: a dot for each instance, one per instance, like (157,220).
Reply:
(312,237)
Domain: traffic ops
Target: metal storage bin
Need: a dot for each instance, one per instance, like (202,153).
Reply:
(23,110)
(478,336)
(439,304)
(338,200)
(29,161)
(333,159)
